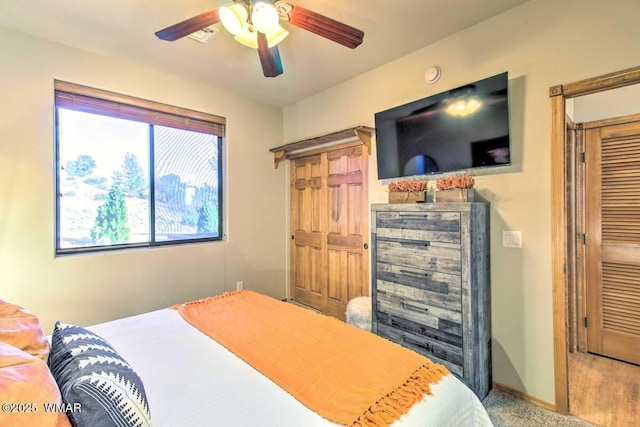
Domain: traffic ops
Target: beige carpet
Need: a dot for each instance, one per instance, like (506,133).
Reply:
(506,410)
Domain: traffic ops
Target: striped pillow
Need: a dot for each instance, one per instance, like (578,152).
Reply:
(98,386)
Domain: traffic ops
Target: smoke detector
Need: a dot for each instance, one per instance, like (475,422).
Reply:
(432,74)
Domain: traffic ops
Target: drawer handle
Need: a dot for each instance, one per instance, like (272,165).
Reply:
(413,273)
(415,243)
(414,341)
(412,307)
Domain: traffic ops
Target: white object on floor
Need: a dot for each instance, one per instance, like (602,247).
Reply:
(359,313)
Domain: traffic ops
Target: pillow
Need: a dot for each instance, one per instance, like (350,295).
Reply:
(22,330)
(26,386)
(93,376)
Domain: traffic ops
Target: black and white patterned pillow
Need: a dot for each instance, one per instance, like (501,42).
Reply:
(99,387)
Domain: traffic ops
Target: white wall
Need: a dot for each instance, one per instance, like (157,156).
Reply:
(541,44)
(92,288)
(605,105)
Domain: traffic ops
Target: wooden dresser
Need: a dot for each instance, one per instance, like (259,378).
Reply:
(430,284)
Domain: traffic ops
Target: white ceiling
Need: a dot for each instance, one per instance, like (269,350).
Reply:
(125,28)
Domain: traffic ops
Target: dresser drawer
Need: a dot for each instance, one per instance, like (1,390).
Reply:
(425,226)
(440,289)
(441,257)
(450,332)
(439,352)
(417,311)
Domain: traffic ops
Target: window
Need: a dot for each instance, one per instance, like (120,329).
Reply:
(132,173)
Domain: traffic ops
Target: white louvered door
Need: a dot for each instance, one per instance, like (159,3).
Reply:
(612,218)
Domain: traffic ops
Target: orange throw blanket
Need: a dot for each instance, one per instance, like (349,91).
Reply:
(345,374)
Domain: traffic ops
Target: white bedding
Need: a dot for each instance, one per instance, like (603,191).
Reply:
(191,380)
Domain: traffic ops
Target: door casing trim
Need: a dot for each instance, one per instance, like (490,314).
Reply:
(562,201)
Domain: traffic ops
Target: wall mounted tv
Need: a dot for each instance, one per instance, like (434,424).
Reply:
(459,130)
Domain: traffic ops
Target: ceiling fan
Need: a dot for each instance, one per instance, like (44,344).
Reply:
(257,24)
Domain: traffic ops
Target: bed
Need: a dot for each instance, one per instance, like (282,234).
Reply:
(189,379)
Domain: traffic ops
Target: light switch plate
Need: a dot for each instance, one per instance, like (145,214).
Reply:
(512,239)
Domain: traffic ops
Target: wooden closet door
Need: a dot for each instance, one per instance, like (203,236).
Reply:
(308,230)
(347,229)
(612,217)
(329,228)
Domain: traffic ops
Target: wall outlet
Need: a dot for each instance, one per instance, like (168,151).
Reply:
(512,239)
(240,285)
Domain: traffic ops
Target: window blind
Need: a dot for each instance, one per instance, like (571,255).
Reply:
(97,101)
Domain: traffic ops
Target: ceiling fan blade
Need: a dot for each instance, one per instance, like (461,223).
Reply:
(269,57)
(319,24)
(189,26)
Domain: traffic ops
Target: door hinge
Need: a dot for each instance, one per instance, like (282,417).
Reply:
(586,322)
(583,157)
(583,236)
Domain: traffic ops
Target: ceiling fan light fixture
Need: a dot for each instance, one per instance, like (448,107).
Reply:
(248,36)
(256,23)
(234,17)
(276,35)
(264,17)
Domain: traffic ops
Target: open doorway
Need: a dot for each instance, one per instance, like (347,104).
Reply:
(570,225)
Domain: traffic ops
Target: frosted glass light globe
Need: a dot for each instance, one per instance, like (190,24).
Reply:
(234,17)
(264,17)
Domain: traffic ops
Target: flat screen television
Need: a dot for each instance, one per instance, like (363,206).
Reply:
(458,130)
